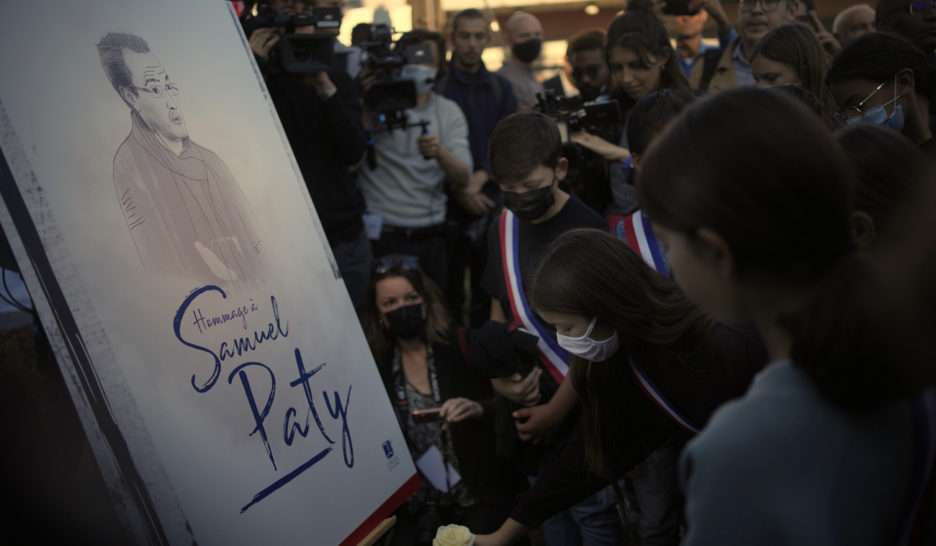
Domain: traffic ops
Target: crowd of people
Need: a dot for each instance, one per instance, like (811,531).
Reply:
(702,321)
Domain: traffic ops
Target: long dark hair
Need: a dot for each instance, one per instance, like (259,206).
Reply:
(649,116)
(796,45)
(592,273)
(437,319)
(782,201)
(640,30)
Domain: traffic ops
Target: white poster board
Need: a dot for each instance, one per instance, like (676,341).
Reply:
(185,283)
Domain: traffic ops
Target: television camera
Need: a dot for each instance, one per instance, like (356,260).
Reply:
(588,173)
(296,53)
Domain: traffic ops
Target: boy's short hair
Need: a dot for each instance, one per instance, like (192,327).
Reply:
(469,13)
(586,40)
(650,116)
(520,143)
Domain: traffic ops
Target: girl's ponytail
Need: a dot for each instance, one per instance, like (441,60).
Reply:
(842,336)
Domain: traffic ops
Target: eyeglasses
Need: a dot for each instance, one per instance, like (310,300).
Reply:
(918,7)
(766,5)
(160,91)
(391,262)
(853,111)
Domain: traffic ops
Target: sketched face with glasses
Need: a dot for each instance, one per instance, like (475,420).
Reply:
(154,96)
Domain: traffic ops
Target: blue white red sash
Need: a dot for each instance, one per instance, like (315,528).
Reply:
(639,236)
(923,478)
(661,402)
(554,358)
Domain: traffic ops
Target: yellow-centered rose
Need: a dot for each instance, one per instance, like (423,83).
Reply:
(453,535)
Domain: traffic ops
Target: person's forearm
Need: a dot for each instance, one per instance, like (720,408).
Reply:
(565,398)
(367,116)
(456,170)
(565,482)
(497,312)
(510,531)
(477,182)
(721,21)
(608,151)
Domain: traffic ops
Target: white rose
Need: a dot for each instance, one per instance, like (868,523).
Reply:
(453,535)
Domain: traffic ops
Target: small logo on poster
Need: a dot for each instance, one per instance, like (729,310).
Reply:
(388,449)
(392,459)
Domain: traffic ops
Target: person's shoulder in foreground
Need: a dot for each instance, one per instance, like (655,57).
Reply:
(782,465)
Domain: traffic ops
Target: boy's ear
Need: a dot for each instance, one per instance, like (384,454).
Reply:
(562,168)
(906,83)
(863,229)
(715,251)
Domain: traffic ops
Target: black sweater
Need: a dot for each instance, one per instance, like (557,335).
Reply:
(327,138)
(719,370)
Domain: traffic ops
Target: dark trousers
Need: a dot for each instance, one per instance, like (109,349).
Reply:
(653,497)
(355,261)
(467,247)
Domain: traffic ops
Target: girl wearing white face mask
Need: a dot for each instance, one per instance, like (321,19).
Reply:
(648,367)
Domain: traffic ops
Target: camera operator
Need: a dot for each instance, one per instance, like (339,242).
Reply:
(321,116)
(587,70)
(412,159)
(347,57)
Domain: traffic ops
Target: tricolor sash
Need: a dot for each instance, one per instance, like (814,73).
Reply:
(661,402)
(923,485)
(554,358)
(638,234)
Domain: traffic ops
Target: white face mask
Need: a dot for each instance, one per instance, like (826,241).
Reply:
(588,348)
(423,76)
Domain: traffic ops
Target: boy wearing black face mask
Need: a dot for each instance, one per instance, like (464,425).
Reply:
(523,32)
(527,164)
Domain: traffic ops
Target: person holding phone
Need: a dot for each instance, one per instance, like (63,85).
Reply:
(441,406)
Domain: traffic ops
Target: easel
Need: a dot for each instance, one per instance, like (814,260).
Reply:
(374,536)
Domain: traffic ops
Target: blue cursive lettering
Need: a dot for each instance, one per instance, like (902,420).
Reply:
(342,411)
(238,346)
(259,416)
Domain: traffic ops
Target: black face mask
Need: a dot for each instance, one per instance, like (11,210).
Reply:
(406,322)
(529,205)
(528,50)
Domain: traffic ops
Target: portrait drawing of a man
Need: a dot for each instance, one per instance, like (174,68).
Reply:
(186,214)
